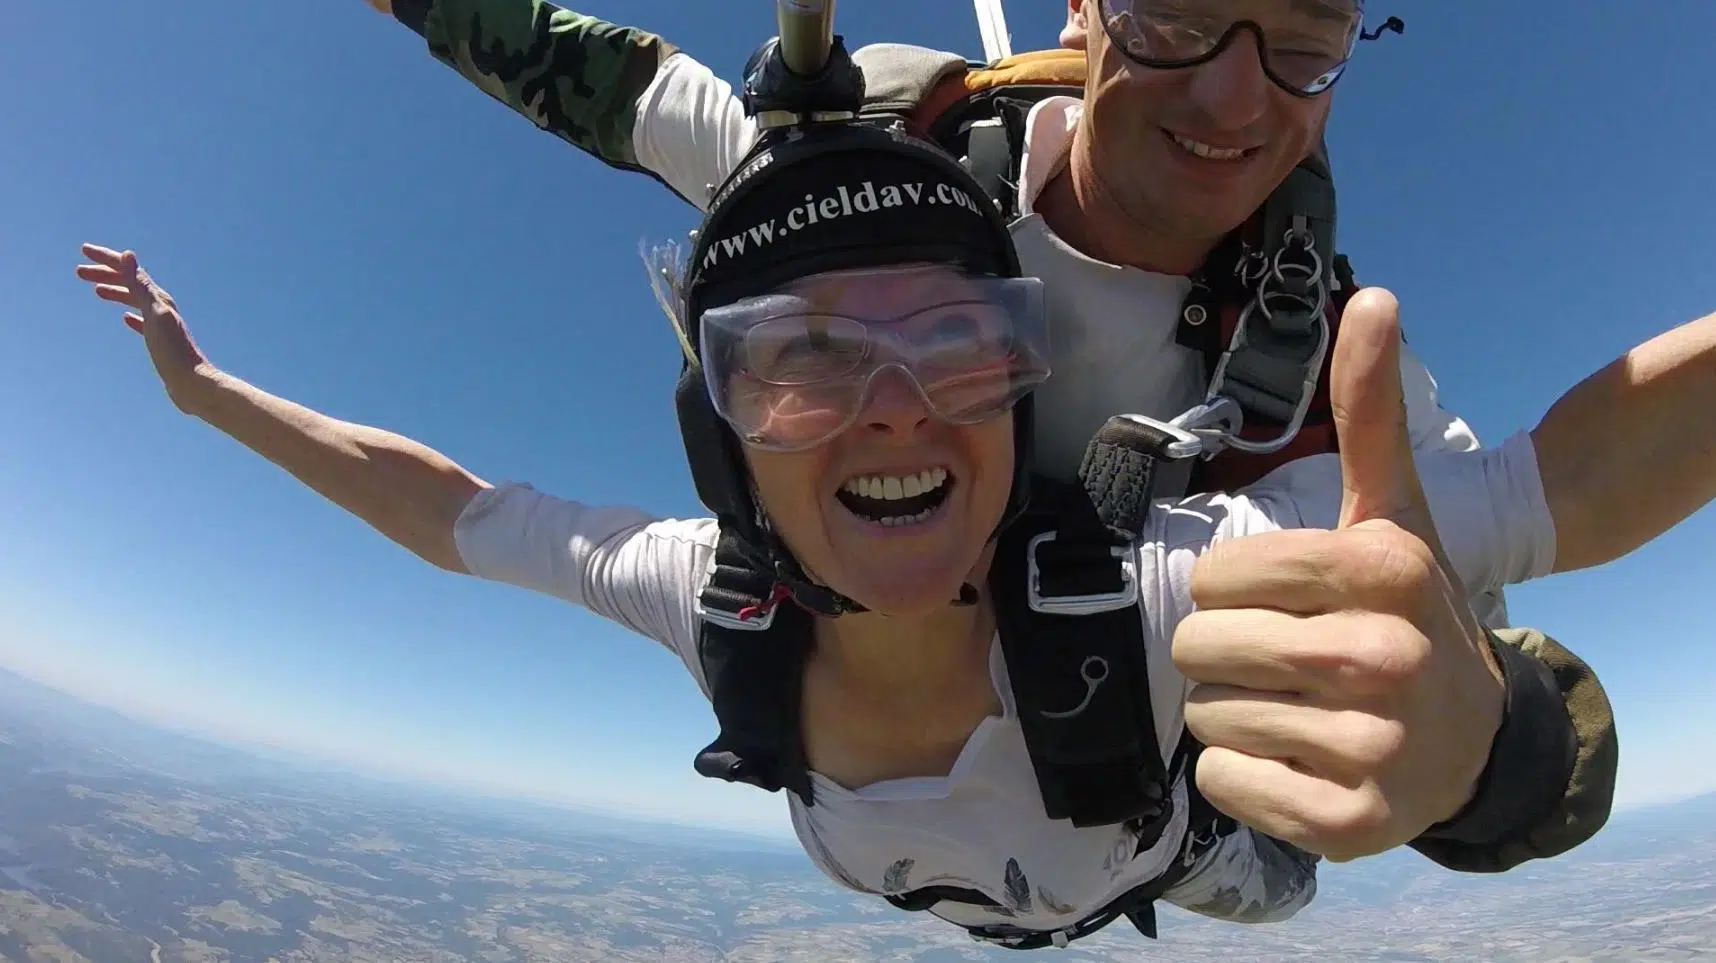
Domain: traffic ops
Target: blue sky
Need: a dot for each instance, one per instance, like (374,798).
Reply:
(349,224)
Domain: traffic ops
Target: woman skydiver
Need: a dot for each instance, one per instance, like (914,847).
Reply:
(861,349)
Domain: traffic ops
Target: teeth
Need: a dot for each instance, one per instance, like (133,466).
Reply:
(896,487)
(1206,151)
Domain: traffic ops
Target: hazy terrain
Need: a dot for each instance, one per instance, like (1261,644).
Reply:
(120,842)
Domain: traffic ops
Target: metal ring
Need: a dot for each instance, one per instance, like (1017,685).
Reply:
(1315,267)
(1313,308)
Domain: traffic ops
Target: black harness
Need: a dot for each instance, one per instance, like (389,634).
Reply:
(1066,597)
(1063,581)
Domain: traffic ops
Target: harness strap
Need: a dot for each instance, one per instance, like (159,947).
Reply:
(1073,645)
(754,669)
(990,158)
(1232,470)
(1205,827)
(740,594)
(1136,904)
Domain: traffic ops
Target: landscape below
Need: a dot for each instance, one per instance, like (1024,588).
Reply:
(121,843)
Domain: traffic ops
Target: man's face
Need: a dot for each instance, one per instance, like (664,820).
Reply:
(1193,150)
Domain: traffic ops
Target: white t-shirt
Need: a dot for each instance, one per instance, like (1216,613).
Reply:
(982,826)
(1113,327)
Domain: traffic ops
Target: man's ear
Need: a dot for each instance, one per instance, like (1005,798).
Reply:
(1078,23)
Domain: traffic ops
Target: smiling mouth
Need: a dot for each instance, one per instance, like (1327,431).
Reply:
(1210,151)
(896,500)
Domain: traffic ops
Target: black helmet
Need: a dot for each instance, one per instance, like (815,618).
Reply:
(807,200)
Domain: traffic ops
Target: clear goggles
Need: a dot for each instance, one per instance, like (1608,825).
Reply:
(1305,44)
(790,371)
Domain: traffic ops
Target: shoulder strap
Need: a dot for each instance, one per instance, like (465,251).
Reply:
(974,111)
(1066,604)
(752,650)
(1264,313)
(1230,469)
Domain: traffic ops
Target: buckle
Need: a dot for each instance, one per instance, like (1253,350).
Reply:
(1183,442)
(1018,938)
(1080,604)
(1312,370)
(731,620)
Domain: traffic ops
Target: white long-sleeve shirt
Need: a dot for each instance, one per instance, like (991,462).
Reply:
(1113,328)
(982,825)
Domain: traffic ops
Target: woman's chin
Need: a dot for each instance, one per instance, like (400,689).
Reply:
(902,594)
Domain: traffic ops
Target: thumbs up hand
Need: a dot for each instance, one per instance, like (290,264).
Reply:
(1346,696)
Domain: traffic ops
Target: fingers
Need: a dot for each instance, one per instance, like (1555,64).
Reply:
(109,287)
(1340,659)
(1343,746)
(116,277)
(102,255)
(1309,571)
(1309,812)
(1379,477)
(99,274)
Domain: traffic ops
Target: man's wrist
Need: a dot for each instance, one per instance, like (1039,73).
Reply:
(1531,758)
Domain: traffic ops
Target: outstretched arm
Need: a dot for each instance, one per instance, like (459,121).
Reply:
(1621,458)
(620,94)
(1630,452)
(406,491)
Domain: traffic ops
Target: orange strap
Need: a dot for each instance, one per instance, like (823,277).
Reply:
(1035,67)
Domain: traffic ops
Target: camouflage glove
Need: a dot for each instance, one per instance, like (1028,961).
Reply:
(1550,782)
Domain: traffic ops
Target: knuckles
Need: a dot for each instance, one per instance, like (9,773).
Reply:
(1382,655)
(1370,743)
(1395,568)
(1348,824)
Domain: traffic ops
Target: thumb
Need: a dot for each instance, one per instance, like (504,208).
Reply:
(1378,477)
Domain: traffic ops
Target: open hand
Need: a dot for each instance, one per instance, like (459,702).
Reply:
(118,277)
(1346,694)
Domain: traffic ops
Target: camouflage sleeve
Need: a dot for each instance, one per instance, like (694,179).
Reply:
(1247,877)
(1551,777)
(572,75)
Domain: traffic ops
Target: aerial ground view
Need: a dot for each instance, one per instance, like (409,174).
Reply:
(372,622)
(121,842)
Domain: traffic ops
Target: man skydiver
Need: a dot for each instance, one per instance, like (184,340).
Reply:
(635,102)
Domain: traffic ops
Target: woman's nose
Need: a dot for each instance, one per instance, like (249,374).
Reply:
(893,404)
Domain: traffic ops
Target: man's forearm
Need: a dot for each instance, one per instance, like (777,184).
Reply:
(1550,781)
(1631,451)
(573,75)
